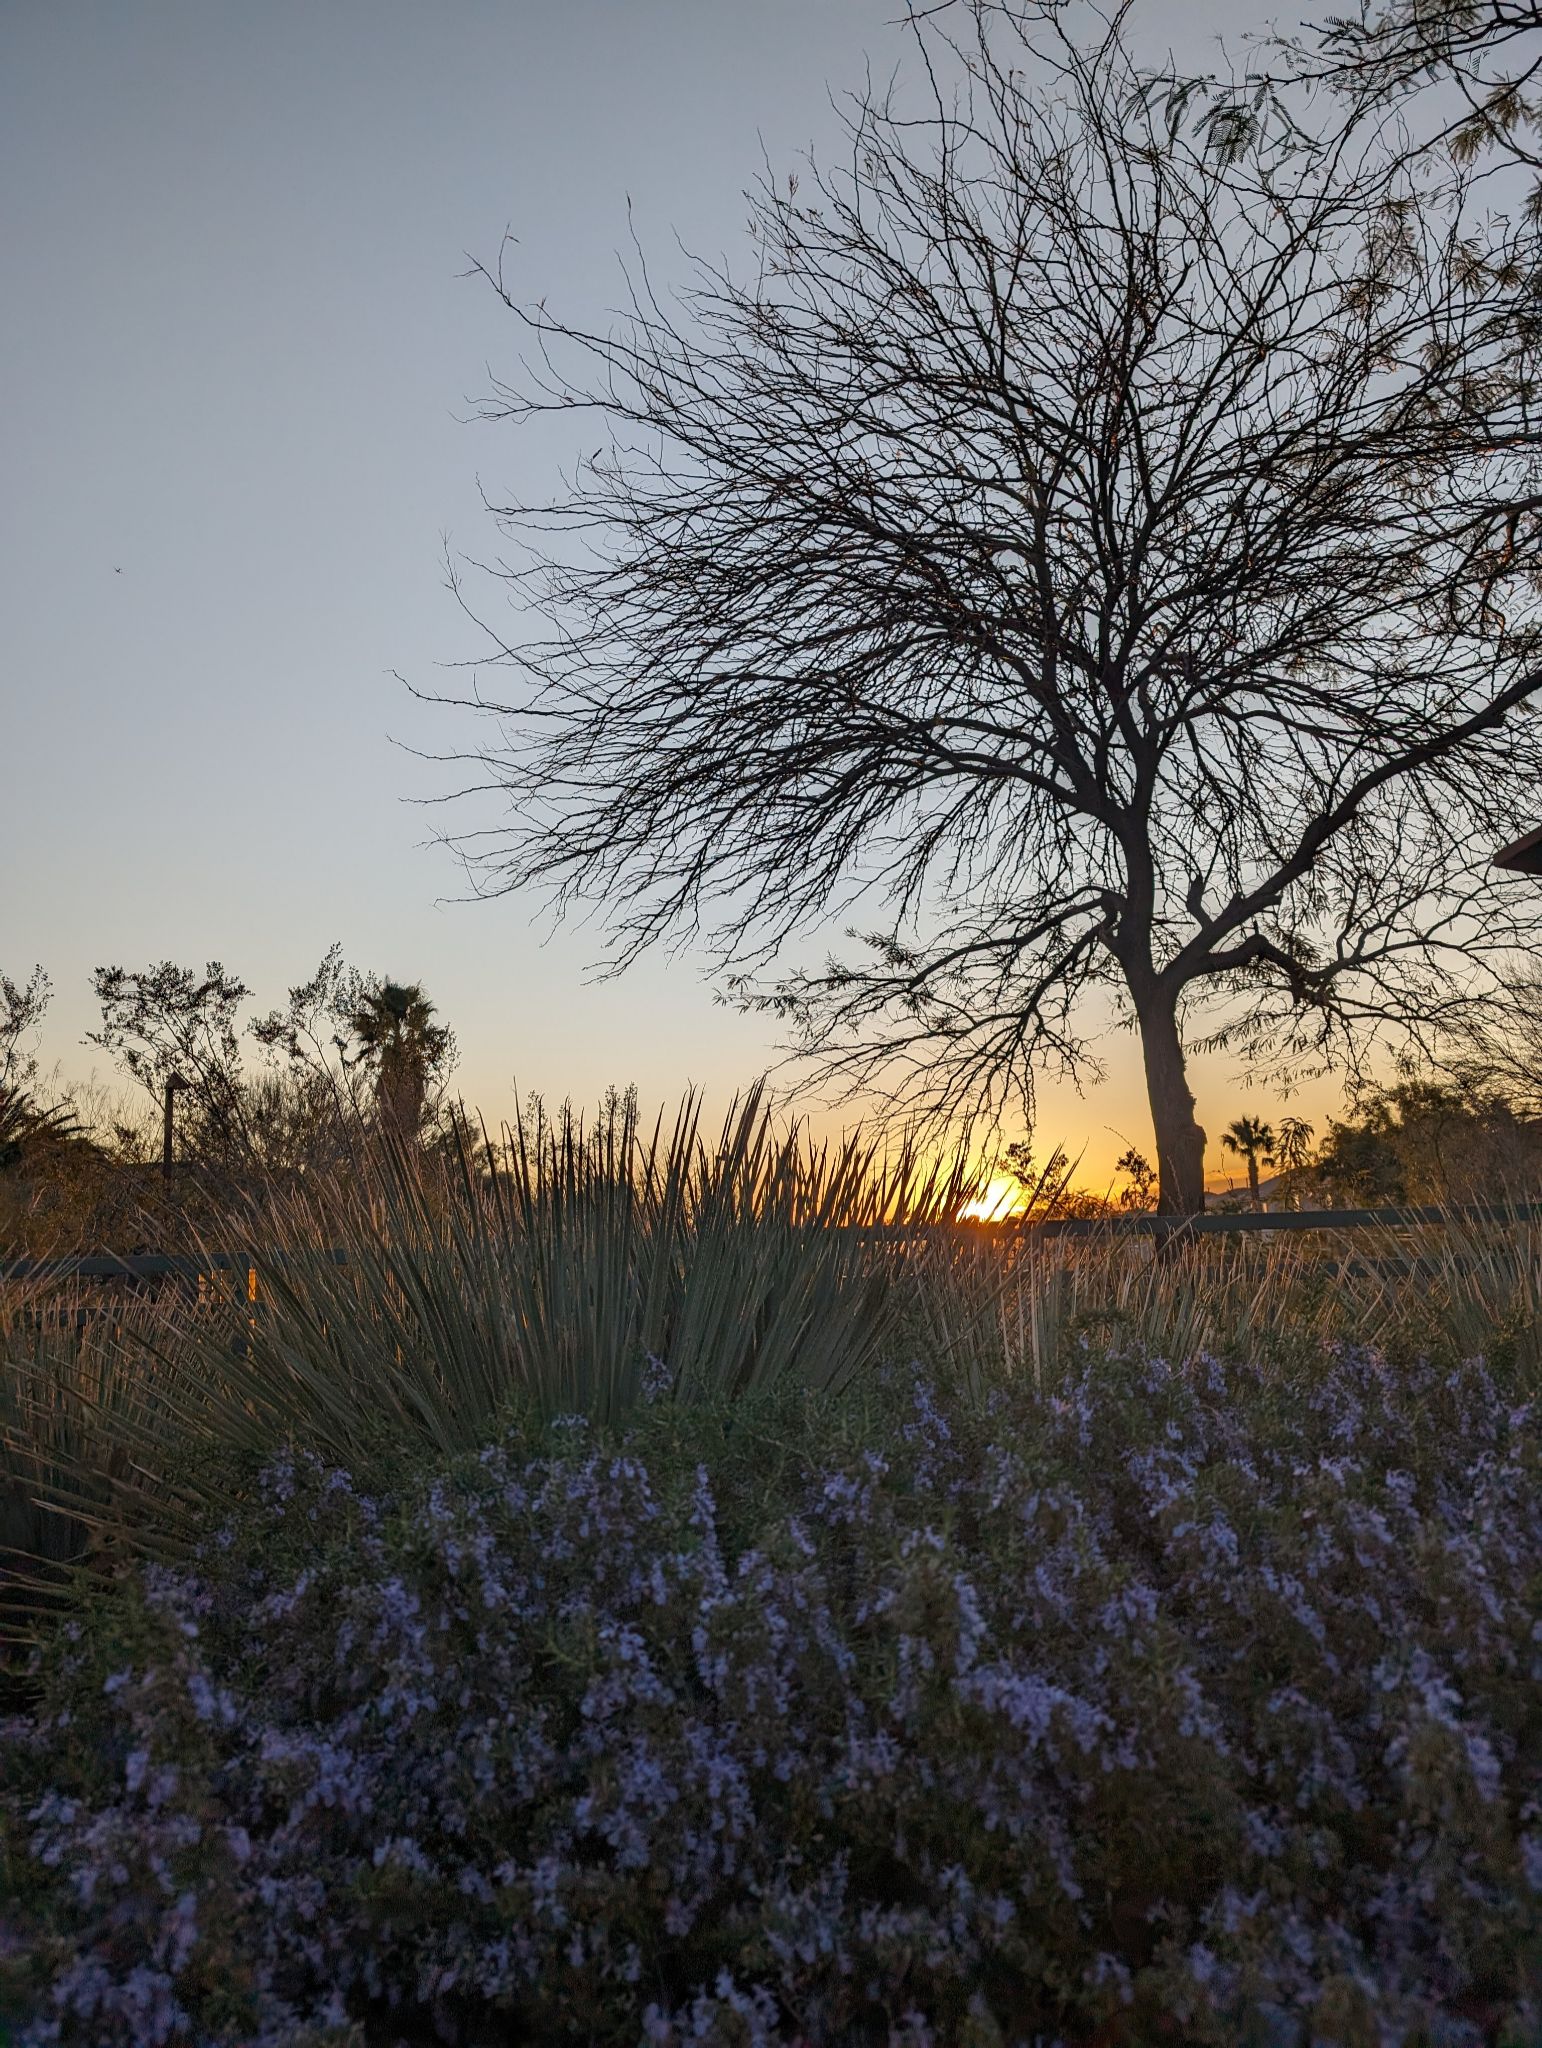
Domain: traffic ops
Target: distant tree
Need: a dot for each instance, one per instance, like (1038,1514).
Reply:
(1293,1150)
(1429,1140)
(1358,1165)
(1499,1052)
(343,1042)
(23,1006)
(25,1122)
(1293,1142)
(312,1041)
(1140,1193)
(1019,1162)
(397,1042)
(1046,1193)
(312,1025)
(168,1023)
(48,1162)
(1253,1140)
(1088,550)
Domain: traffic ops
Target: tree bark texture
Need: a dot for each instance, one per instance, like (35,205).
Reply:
(1180,1142)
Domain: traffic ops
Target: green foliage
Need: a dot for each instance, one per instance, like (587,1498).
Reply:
(89,1452)
(730,1314)
(418,1300)
(1430,1141)
(403,1049)
(170,1026)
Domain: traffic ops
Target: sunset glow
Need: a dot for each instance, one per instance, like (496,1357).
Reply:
(1000,1199)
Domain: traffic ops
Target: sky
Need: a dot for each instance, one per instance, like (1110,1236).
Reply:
(240,358)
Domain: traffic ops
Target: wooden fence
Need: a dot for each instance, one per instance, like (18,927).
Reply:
(137,1266)
(1143,1224)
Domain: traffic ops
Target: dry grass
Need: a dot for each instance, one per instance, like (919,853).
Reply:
(1016,1302)
(555,1272)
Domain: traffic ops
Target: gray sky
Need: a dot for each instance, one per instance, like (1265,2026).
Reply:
(237,357)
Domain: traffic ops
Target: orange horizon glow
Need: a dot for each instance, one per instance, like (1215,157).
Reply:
(1001,1198)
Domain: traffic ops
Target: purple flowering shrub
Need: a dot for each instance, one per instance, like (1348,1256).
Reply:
(1194,1705)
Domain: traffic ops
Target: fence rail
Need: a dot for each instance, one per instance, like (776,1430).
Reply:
(190,1265)
(1142,1224)
(146,1265)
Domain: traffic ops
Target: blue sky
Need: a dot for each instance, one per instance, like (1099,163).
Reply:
(239,360)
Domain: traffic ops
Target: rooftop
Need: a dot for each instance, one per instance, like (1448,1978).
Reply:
(1524,855)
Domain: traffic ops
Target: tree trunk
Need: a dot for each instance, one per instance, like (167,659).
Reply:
(1180,1143)
(399,1090)
(1253,1180)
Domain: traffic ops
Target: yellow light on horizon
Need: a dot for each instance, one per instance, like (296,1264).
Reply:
(1001,1198)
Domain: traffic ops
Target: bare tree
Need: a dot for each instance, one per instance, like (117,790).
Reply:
(1499,1052)
(1082,561)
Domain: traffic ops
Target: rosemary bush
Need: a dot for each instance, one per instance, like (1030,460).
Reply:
(1157,1702)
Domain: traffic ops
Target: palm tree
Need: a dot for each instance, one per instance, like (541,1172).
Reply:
(403,1048)
(25,1122)
(1254,1140)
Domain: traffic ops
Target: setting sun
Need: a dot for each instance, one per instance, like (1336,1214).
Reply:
(1000,1199)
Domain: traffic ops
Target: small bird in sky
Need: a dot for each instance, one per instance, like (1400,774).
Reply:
(116,570)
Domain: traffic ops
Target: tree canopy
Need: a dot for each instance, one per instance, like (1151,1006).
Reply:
(1079,561)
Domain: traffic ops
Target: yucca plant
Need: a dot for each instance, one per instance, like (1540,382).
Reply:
(96,1438)
(551,1278)
(416,1303)
(25,1122)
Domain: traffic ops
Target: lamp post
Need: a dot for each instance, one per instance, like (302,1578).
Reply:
(173,1083)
